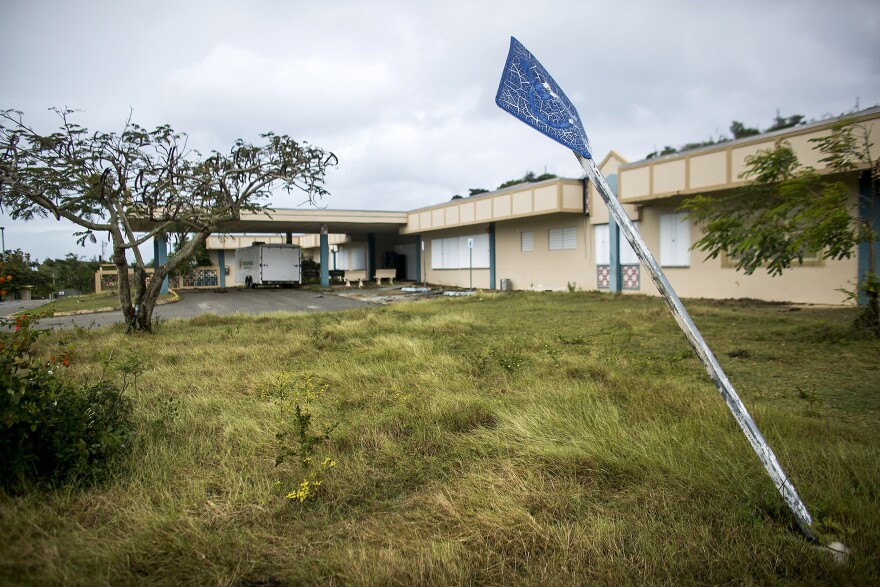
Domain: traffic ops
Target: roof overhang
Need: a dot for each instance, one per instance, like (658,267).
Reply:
(309,221)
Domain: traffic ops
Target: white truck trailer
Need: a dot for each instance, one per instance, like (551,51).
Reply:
(262,264)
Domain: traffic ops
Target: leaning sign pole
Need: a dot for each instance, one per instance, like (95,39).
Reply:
(529,93)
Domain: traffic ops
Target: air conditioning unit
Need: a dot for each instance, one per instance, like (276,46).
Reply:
(506,285)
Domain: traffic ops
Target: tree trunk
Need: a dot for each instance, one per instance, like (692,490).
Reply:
(870,318)
(124,286)
(138,313)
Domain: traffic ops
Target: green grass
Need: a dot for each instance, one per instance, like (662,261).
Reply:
(502,439)
(108,300)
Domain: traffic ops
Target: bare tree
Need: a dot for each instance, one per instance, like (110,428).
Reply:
(109,182)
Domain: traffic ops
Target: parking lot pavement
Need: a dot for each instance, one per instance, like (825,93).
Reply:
(9,307)
(232,301)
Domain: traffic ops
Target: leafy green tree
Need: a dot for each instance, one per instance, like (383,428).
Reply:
(788,211)
(71,272)
(741,131)
(108,182)
(477,191)
(19,271)
(782,122)
(529,177)
(667,150)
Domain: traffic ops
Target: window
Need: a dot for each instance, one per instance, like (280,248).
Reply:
(675,240)
(454,252)
(603,247)
(351,258)
(527,241)
(562,238)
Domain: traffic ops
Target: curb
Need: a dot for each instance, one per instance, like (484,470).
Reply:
(175,297)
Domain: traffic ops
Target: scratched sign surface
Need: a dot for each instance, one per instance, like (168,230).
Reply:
(528,92)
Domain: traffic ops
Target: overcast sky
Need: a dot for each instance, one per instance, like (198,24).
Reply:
(403,92)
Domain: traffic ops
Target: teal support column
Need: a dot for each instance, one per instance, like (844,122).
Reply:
(615,273)
(160,257)
(869,207)
(418,258)
(491,255)
(325,259)
(221,260)
(371,255)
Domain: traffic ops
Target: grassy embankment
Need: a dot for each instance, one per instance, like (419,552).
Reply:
(520,439)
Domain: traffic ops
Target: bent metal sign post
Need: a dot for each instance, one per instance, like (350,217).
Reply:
(529,93)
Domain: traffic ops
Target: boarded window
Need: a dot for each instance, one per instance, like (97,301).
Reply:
(675,240)
(603,247)
(351,258)
(455,252)
(562,238)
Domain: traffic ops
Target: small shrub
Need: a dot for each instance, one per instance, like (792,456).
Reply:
(51,429)
(299,439)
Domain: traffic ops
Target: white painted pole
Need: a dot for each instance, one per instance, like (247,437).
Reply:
(745,421)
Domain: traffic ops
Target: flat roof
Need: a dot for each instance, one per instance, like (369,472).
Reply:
(296,220)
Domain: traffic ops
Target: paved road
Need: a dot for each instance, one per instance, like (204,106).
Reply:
(195,302)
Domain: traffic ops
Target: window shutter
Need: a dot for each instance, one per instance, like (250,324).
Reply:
(603,249)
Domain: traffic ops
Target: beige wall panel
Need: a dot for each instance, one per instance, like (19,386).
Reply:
(708,170)
(452,215)
(412,222)
(635,182)
(573,197)
(424,220)
(738,158)
(522,202)
(543,269)
(806,151)
(484,210)
(669,177)
(546,198)
(598,209)
(466,212)
(501,206)
(459,277)
(437,218)
(874,137)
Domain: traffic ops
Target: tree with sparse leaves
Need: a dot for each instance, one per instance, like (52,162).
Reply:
(108,182)
(788,211)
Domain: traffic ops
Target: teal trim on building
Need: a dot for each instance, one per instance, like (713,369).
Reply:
(221,260)
(491,255)
(160,257)
(419,275)
(371,256)
(869,207)
(325,260)
(615,271)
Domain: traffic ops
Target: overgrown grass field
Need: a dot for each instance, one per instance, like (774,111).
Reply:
(533,439)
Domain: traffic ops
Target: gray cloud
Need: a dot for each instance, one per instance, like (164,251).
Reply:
(404,93)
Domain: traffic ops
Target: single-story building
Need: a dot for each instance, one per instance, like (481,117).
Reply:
(556,235)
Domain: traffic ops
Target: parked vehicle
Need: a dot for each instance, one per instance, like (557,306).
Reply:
(262,264)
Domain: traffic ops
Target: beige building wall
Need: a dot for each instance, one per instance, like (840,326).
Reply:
(598,210)
(817,282)
(721,166)
(454,277)
(542,269)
